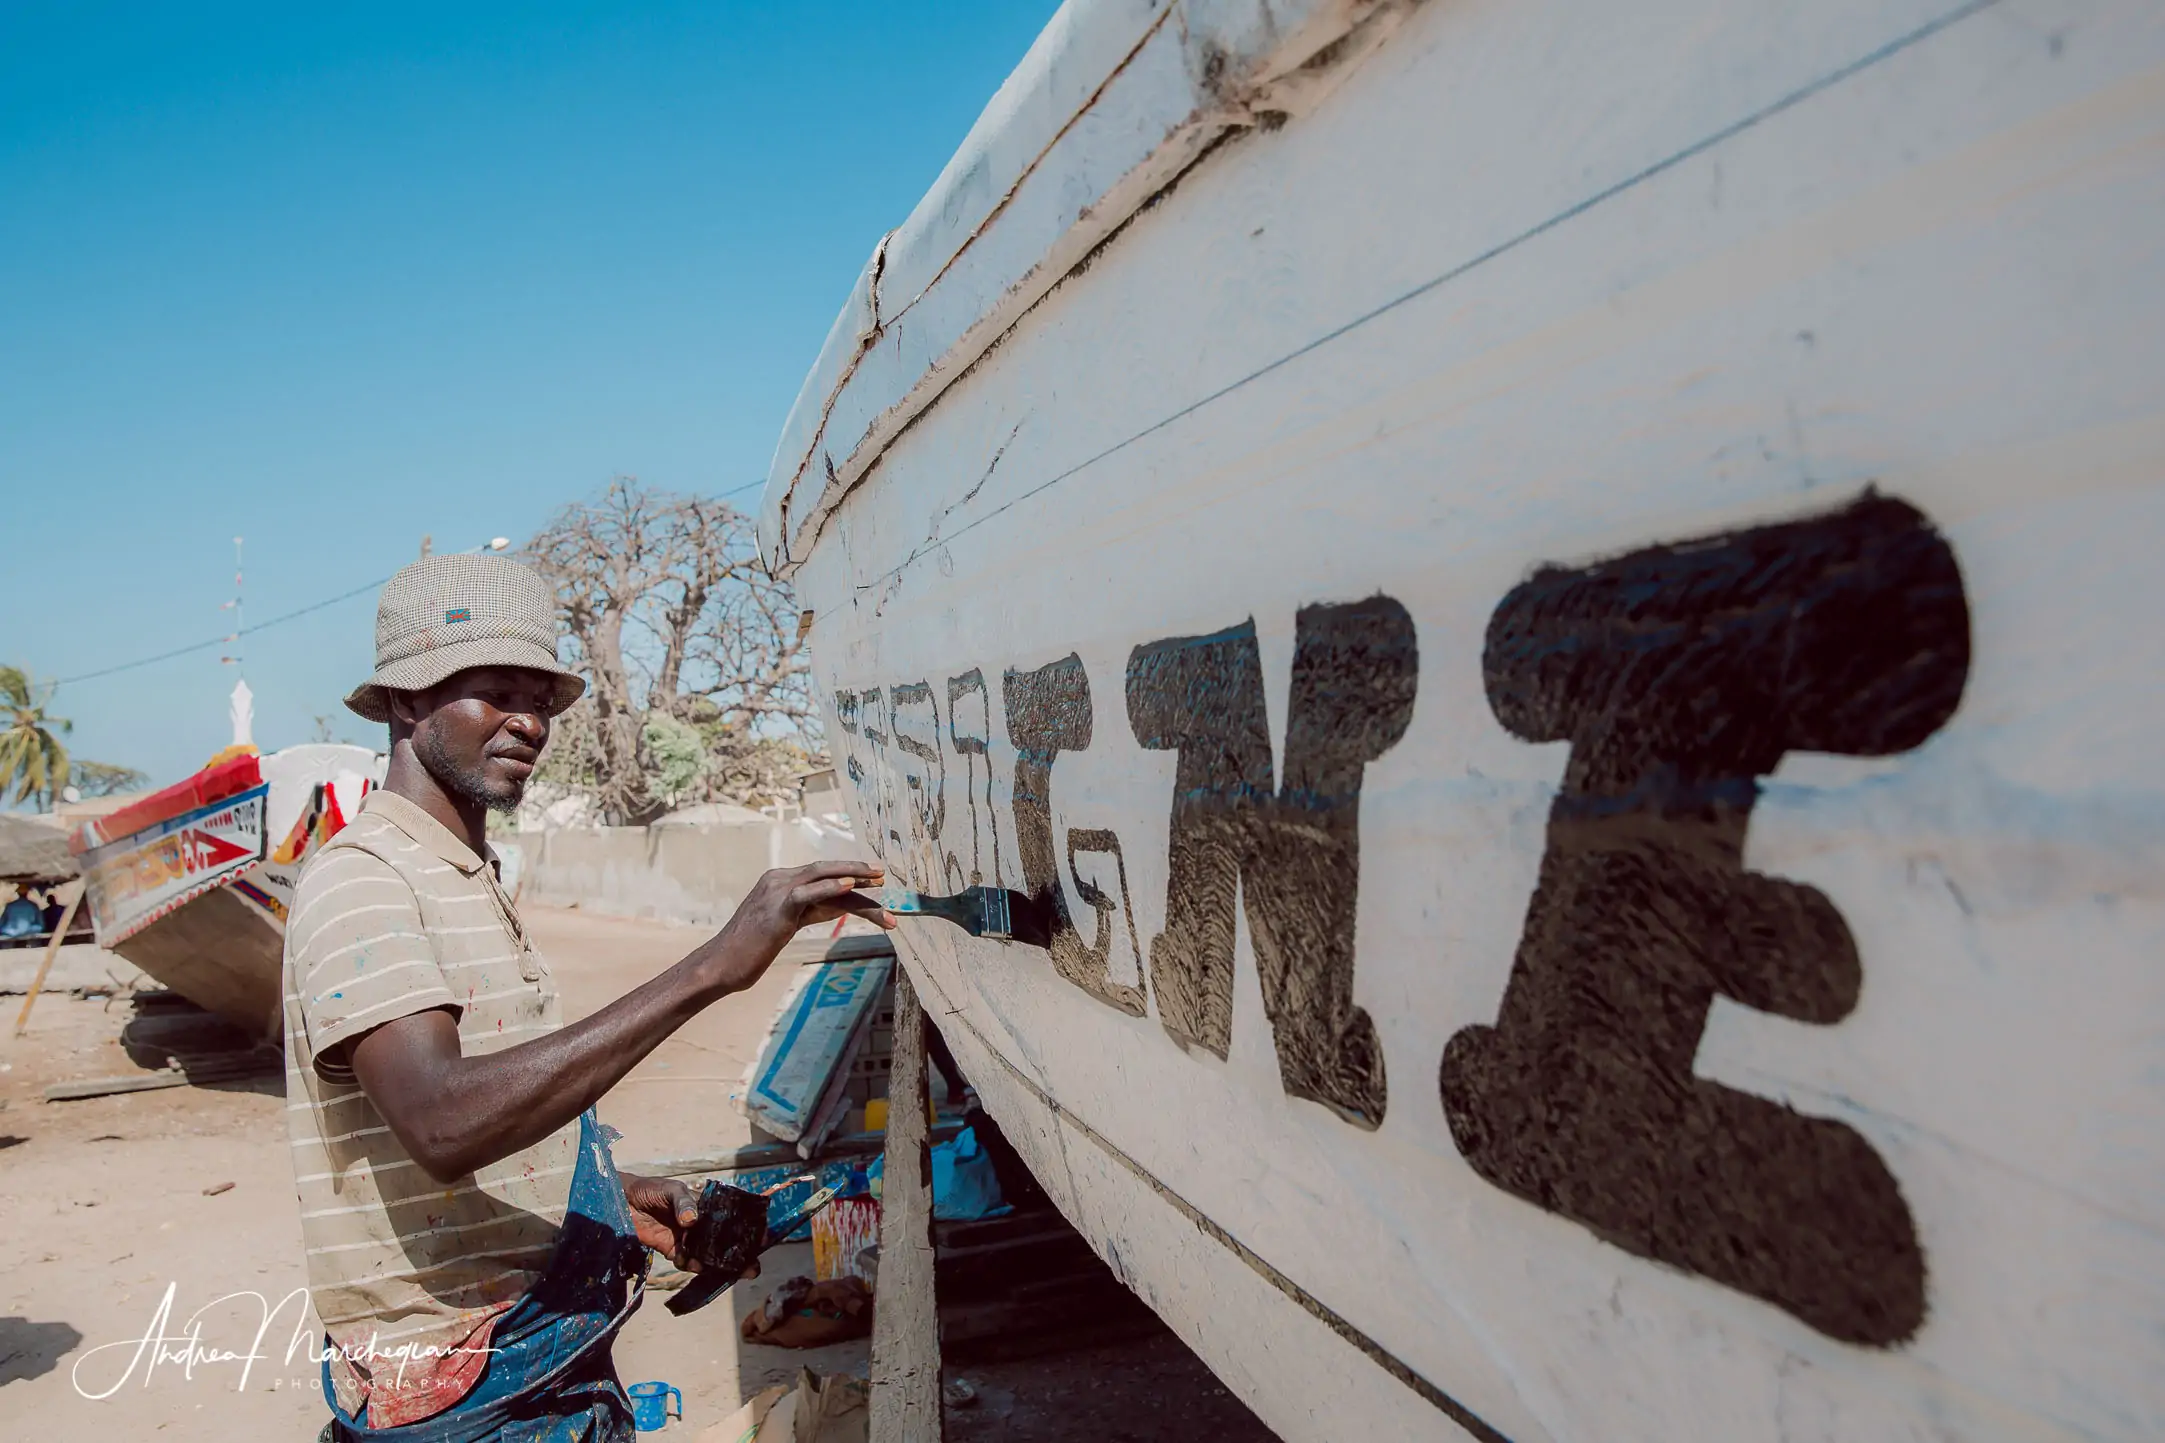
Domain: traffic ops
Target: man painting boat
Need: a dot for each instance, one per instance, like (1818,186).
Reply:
(472,1249)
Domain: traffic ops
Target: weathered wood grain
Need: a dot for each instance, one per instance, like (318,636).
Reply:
(73,891)
(906,1319)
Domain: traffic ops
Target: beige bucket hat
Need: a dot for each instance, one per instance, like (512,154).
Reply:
(444,614)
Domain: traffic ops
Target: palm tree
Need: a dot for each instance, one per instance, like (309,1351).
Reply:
(32,760)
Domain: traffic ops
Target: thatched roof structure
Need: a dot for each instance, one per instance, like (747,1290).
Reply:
(33,850)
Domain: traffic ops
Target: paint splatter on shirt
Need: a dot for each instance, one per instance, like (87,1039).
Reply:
(407,1274)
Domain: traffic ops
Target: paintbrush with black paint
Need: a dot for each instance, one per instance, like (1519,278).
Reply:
(734,1227)
(995,912)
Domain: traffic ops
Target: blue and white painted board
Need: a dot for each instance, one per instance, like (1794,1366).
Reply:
(806,1056)
(1580,559)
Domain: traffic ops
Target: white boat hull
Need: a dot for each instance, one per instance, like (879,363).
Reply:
(1633,534)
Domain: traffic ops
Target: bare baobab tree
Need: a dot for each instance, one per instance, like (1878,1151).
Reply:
(679,629)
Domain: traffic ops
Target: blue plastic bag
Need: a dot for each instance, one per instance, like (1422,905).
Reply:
(964,1186)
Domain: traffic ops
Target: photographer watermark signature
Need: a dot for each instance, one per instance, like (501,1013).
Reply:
(186,1350)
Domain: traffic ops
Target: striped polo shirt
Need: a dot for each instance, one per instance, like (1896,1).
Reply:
(398,916)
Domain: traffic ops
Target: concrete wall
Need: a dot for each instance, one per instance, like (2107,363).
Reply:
(675,873)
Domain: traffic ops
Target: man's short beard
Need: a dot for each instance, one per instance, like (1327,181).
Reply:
(469,782)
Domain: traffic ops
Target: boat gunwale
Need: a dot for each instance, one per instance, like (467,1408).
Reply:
(986,257)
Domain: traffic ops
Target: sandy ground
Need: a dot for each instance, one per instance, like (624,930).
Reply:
(106,1228)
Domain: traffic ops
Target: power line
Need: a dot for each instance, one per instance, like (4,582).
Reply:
(229,636)
(293,615)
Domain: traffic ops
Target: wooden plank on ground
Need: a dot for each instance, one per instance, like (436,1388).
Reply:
(776,1154)
(220,1069)
(906,1404)
(74,893)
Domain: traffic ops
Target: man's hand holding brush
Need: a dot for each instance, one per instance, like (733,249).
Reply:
(780,904)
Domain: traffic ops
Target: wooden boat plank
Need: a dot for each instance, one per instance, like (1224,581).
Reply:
(222,954)
(906,1403)
(192,1074)
(1109,107)
(756,1155)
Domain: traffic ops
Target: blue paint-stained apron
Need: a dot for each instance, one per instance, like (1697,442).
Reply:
(549,1377)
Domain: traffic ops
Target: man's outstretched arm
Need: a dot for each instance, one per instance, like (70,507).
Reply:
(455,1114)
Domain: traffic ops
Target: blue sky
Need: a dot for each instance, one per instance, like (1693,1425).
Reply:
(333,278)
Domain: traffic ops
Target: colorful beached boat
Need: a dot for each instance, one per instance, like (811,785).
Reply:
(193,883)
(1560,603)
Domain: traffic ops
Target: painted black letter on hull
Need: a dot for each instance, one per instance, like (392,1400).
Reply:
(1098,955)
(970,748)
(1293,851)
(1680,675)
(928,792)
(846,705)
(1048,712)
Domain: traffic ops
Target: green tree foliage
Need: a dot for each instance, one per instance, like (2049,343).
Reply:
(104,779)
(676,754)
(33,761)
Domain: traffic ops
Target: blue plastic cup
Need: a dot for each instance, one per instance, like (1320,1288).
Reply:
(650,1405)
